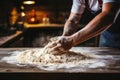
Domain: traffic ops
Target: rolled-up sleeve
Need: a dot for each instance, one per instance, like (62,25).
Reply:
(78,6)
(106,1)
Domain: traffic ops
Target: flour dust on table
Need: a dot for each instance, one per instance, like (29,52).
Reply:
(41,58)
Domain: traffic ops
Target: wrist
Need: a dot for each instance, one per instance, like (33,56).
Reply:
(72,40)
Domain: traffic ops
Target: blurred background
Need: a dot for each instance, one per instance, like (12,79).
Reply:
(56,10)
(31,23)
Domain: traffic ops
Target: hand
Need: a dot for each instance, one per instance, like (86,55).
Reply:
(63,44)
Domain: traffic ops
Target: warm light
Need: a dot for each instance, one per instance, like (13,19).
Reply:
(28,2)
(22,14)
(32,19)
(22,7)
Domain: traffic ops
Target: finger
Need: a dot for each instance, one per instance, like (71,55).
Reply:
(47,48)
(51,44)
(57,50)
(55,47)
(53,39)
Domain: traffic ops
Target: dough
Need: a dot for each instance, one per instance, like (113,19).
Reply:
(46,57)
(36,56)
(43,58)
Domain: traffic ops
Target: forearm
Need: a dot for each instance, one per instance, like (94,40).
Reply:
(94,28)
(69,28)
(71,24)
(100,23)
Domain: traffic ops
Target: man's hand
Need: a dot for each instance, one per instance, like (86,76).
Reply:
(62,45)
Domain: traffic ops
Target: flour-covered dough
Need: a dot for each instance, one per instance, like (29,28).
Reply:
(36,56)
(44,58)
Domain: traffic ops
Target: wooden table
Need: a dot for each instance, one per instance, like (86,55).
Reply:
(6,40)
(29,72)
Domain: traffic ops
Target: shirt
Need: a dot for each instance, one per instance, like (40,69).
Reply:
(110,37)
(79,5)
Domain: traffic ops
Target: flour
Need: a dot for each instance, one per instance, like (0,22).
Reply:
(36,56)
(47,61)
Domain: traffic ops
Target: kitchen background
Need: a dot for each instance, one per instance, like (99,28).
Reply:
(56,10)
(48,15)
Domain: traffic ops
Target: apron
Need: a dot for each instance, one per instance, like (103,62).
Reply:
(88,14)
(110,37)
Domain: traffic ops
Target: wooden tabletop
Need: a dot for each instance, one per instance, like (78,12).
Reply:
(113,67)
(5,40)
